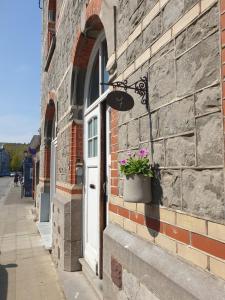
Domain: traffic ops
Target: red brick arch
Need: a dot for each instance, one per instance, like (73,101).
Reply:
(80,56)
(50,109)
(49,116)
(83,44)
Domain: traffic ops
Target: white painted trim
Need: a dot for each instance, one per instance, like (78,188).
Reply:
(94,52)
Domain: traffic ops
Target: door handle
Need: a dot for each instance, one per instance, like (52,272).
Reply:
(92,186)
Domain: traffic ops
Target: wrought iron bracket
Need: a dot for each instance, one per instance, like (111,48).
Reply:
(140,87)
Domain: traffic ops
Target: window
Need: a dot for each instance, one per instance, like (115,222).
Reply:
(93,137)
(98,74)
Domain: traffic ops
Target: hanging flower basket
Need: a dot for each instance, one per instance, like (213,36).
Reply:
(137,189)
(137,177)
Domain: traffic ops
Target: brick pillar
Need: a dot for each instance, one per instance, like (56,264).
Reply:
(114,154)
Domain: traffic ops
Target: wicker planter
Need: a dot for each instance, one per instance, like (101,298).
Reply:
(137,189)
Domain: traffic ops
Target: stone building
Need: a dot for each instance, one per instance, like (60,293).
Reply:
(173,247)
(4,161)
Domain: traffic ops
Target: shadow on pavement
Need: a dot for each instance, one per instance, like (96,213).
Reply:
(4,280)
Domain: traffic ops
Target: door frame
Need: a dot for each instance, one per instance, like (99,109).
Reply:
(102,146)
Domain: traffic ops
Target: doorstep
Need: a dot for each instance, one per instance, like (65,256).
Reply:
(95,282)
(76,286)
(45,230)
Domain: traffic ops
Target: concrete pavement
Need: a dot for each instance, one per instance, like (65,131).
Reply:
(26,269)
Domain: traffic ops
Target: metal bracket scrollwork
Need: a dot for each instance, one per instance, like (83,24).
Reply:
(140,87)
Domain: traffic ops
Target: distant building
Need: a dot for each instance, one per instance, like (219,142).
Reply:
(4,161)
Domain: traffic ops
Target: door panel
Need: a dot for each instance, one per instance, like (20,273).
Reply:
(92,183)
(92,207)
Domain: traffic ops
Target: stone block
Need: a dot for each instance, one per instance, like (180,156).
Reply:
(167,189)
(210,140)
(166,243)
(152,32)
(145,233)
(217,267)
(143,58)
(184,155)
(130,284)
(133,133)
(216,231)
(116,272)
(122,63)
(136,15)
(130,225)
(144,294)
(134,49)
(203,26)
(186,19)
(71,252)
(122,136)
(161,42)
(149,127)
(177,117)
(198,258)
(158,153)
(145,128)
(205,4)
(114,218)
(189,3)
(163,51)
(76,219)
(203,193)
(181,43)
(167,216)
(208,100)
(172,11)
(191,223)
(199,67)
(162,74)
(124,117)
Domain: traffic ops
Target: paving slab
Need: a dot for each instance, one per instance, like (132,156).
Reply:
(26,269)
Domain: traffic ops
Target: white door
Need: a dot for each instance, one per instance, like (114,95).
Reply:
(92,187)
(95,93)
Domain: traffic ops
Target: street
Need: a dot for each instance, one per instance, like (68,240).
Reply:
(26,268)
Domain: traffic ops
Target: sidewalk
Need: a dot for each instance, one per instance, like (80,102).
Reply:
(26,269)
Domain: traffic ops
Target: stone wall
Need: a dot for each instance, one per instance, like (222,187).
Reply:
(136,270)
(185,110)
(177,44)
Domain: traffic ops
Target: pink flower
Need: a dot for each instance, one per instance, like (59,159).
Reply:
(143,152)
(123,162)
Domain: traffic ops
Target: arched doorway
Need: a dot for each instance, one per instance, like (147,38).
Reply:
(50,144)
(96,159)
(90,61)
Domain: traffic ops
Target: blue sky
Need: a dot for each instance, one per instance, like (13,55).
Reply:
(20,56)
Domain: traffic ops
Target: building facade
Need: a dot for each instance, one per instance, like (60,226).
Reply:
(138,250)
(4,162)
